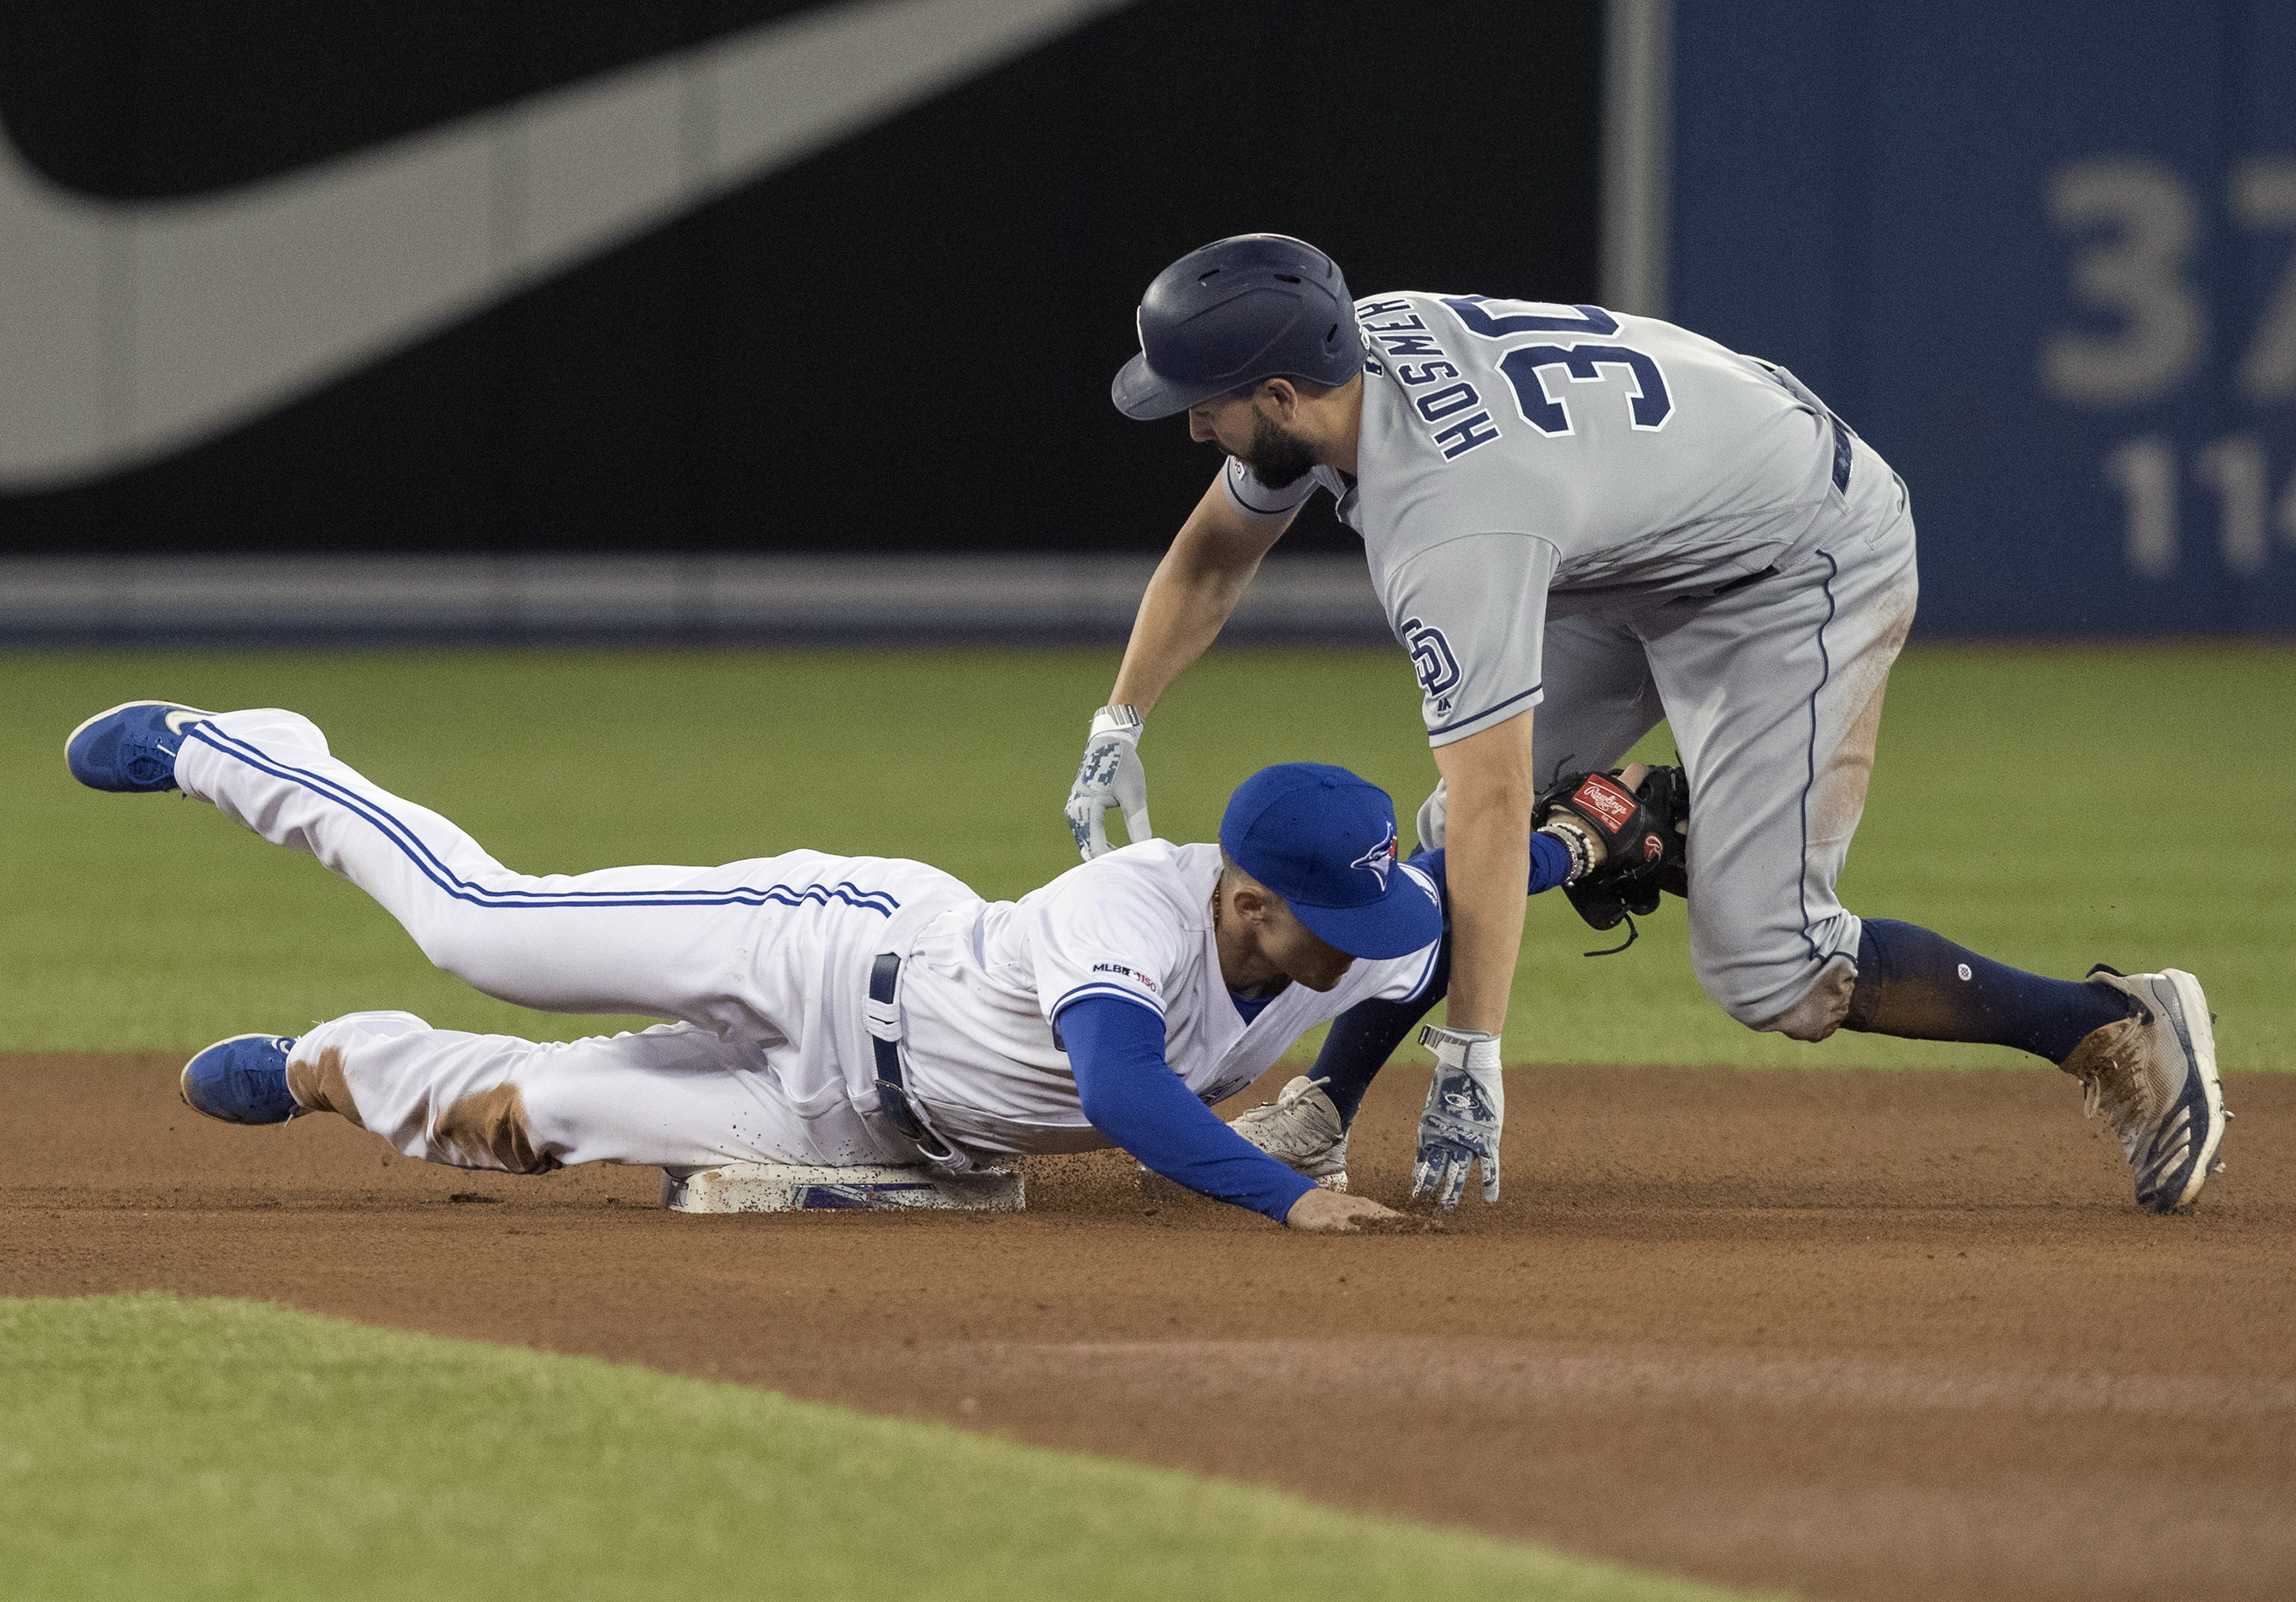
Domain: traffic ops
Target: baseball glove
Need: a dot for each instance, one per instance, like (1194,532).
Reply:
(1643,832)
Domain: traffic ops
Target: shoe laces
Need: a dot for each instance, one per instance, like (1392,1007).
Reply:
(1296,1092)
(1288,1123)
(149,767)
(2116,1085)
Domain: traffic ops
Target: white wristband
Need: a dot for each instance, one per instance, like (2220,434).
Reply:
(1435,1035)
(1116,719)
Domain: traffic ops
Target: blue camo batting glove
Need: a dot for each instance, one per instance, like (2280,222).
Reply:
(1467,1106)
(1110,775)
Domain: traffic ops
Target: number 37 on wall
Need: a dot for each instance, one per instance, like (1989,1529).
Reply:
(2136,222)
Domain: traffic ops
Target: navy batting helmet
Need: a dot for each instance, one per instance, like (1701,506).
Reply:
(1257,306)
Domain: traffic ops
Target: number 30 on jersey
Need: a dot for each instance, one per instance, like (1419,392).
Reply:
(1648,404)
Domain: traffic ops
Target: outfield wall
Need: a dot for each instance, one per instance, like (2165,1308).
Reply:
(445,276)
(784,285)
(2042,256)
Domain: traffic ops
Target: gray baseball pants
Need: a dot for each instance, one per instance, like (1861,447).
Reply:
(1774,695)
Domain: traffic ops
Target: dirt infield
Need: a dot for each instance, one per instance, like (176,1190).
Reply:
(1856,1335)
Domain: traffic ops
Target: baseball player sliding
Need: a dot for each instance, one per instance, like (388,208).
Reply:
(828,1010)
(1613,520)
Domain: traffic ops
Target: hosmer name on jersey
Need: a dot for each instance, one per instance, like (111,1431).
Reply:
(1395,329)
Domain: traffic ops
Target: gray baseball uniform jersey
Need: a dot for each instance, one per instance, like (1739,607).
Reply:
(1509,448)
(1624,520)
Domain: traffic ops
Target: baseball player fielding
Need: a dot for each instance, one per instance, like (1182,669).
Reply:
(1612,521)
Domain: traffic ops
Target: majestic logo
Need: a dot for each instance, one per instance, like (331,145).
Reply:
(1431,659)
(1379,859)
(136,329)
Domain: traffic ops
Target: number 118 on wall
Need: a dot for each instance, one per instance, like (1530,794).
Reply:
(2236,469)
(2154,335)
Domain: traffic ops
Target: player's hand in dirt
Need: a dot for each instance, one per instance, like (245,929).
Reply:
(1330,1212)
(1465,1112)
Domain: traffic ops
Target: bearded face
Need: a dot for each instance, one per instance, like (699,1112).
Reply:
(1276,458)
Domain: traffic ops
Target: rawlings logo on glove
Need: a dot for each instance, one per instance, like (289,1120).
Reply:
(1600,799)
(1645,833)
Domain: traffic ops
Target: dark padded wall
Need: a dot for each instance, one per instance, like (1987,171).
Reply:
(904,342)
(2044,257)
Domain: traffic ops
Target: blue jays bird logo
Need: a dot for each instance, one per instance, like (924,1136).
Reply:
(1379,859)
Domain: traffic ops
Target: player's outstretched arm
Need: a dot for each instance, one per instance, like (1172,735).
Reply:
(1489,853)
(1130,1094)
(1194,588)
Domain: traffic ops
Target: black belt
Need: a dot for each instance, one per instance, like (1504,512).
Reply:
(892,1097)
(1842,437)
(1699,597)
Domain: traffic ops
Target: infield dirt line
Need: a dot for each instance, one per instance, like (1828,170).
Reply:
(1423,1369)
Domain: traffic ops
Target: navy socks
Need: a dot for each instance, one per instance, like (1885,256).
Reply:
(1922,986)
(1910,982)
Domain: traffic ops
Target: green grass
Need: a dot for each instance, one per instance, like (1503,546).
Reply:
(152,1447)
(2049,806)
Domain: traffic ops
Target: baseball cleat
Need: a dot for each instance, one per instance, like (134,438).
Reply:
(1302,1131)
(132,747)
(242,1080)
(2153,1076)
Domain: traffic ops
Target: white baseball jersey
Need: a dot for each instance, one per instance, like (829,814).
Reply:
(986,980)
(764,963)
(1509,448)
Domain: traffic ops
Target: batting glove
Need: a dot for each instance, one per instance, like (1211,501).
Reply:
(1110,775)
(1466,1104)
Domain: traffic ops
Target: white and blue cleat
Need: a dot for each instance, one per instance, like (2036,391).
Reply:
(132,747)
(242,1080)
(2153,1076)
(1301,1129)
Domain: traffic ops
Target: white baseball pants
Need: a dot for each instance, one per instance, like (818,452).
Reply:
(762,964)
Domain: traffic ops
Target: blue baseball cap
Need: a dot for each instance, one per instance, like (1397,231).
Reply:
(1325,841)
(1256,305)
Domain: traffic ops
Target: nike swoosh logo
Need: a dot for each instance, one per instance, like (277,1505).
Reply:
(178,722)
(129,330)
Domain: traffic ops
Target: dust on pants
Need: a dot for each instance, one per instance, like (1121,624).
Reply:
(1773,692)
(674,1097)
